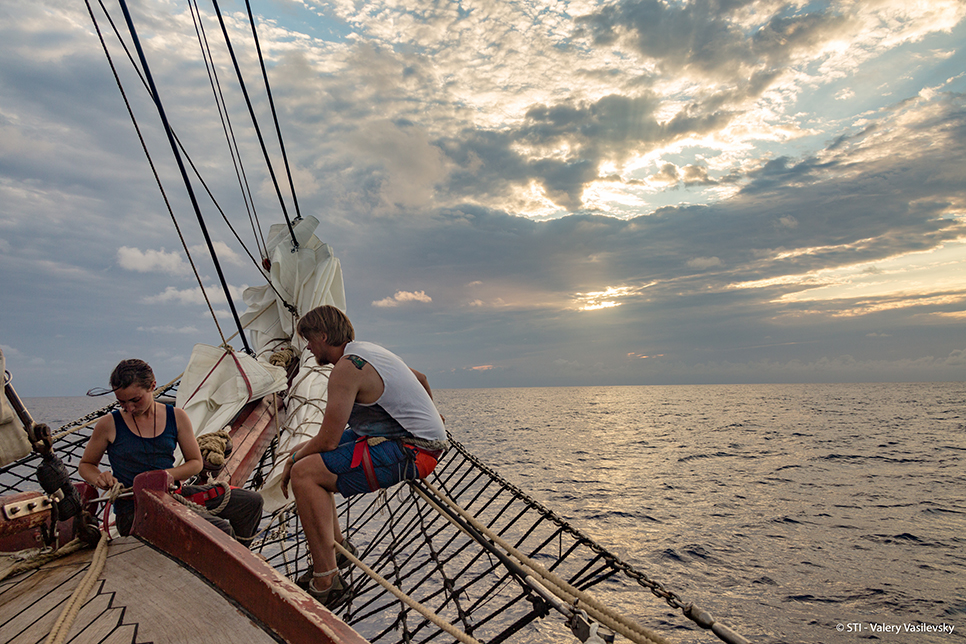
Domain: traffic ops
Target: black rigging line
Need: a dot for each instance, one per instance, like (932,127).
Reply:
(184,172)
(191,162)
(271,102)
(258,131)
(194,168)
(184,150)
(226,125)
(154,171)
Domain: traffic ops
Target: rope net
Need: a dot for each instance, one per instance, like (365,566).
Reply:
(412,545)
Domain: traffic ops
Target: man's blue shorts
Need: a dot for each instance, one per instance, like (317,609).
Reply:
(391,461)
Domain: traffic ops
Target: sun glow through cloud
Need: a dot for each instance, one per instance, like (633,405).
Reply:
(606,299)
(900,281)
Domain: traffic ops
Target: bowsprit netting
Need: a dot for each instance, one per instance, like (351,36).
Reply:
(454,569)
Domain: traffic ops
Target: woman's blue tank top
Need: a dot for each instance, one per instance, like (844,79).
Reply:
(131,454)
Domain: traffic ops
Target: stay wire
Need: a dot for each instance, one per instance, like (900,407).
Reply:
(147,154)
(184,150)
(184,172)
(226,126)
(191,162)
(271,102)
(258,131)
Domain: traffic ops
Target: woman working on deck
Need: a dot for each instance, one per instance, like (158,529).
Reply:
(141,437)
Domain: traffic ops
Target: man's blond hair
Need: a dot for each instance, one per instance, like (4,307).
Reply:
(329,321)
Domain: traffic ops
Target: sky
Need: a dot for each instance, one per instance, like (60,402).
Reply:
(545,193)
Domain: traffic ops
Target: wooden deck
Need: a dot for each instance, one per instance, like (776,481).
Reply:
(141,596)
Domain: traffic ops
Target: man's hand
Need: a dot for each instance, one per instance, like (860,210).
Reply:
(286,476)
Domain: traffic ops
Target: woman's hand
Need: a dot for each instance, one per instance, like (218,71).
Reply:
(105,480)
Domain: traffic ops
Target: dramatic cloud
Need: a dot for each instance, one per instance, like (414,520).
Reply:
(633,191)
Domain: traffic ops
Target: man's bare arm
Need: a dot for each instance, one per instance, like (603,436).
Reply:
(423,380)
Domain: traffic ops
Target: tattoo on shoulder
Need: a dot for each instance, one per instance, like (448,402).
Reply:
(357,361)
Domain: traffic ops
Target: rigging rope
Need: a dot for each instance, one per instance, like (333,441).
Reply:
(251,111)
(147,82)
(187,156)
(226,126)
(67,616)
(154,170)
(36,561)
(271,102)
(63,624)
(565,591)
(184,173)
(406,599)
(406,539)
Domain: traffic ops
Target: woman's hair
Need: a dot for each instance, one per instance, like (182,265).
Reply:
(132,372)
(330,321)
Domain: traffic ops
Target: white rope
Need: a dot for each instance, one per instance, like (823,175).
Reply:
(38,560)
(67,616)
(69,613)
(616,622)
(409,601)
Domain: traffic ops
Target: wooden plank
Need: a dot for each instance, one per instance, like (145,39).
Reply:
(251,434)
(246,578)
(142,594)
(95,620)
(30,604)
(172,604)
(123,634)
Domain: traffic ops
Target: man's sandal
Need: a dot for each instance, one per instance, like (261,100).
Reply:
(333,596)
(341,561)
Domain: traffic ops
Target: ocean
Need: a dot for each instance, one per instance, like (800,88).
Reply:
(792,513)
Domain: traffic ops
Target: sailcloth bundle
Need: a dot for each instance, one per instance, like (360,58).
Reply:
(219,382)
(306,278)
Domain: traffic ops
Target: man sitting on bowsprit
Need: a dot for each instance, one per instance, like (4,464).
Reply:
(395,433)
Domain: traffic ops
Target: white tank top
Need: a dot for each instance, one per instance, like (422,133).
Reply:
(403,398)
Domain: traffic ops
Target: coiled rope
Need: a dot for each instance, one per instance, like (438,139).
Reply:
(42,558)
(69,613)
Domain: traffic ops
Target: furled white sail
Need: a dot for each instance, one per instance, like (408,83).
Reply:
(13,439)
(306,278)
(303,418)
(217,383)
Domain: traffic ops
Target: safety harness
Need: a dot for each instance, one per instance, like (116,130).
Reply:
(424,459)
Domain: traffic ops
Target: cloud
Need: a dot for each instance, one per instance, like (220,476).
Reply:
(149,261)
(193,296)
(188,330)
(226,254)
(702,263)
(403,297)
(600,174)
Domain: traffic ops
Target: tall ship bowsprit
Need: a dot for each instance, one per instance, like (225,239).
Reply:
(461,555)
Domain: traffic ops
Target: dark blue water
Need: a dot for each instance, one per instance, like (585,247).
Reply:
(787,511)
